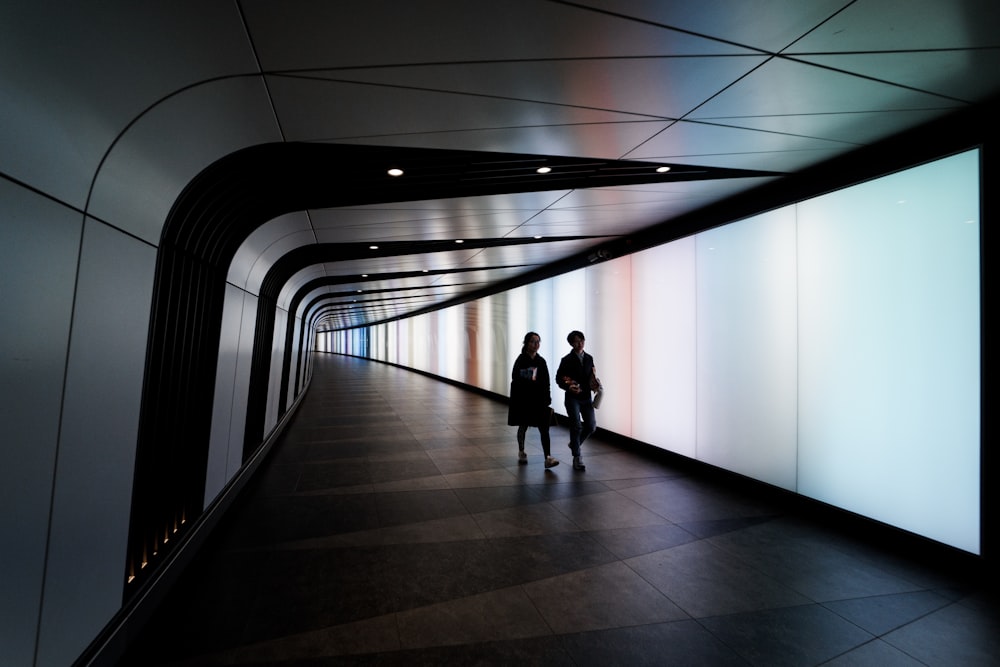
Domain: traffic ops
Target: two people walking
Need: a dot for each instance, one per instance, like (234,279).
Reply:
(531,396)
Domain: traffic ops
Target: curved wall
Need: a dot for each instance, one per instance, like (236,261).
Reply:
(831,348)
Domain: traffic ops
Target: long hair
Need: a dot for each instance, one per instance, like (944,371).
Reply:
(527,337)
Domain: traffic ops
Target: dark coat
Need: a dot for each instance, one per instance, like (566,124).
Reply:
(577,371)
(529,399)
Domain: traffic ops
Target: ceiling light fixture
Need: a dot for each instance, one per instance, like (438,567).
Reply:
(459,241)
(662,170)
(373,247)
(543,170)
(395,171)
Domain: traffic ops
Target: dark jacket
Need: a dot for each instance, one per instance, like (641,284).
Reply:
(529,399)
(580,372)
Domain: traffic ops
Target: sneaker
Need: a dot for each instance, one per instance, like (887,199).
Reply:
(522,458)
(551,462)
(578,463)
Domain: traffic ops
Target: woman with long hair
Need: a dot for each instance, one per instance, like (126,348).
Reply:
(531,398)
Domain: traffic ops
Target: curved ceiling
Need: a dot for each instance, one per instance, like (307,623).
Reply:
(733,94)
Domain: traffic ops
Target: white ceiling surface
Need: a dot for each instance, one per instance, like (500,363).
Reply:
(148,94)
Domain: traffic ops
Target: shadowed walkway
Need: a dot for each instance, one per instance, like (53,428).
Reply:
(393,526)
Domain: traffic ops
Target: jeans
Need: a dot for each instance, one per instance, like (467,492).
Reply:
(579,431)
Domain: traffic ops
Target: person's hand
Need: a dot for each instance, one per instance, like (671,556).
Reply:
(595,382)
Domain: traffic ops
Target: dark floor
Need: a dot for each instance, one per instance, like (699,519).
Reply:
(393,526)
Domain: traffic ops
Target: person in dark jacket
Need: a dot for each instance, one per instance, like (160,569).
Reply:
(531,397)
(577,377)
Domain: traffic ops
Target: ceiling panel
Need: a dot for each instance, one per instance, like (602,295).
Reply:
(705,142)
(783,87)
(314,110)
(851,128)
(956,74)
(889,25)
(773,86)
(611,139)
(146,96)
(317,33)
(663,87)
(770,25)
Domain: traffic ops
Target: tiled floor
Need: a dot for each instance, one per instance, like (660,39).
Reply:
(393,526)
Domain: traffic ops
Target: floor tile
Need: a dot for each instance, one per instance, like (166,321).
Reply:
(412,506)
(606,510)
(538,519)
(706,581)
(501,614)
(402,531)
(678,643)
(954,635)
(367,636)
(792,636)
(875,653)
(607,596)
(488,498)
(880,614)
(813,568)
(637,540)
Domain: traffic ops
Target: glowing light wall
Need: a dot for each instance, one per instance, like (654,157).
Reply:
(664,367)
(831,348)
(889,350)
(746,333)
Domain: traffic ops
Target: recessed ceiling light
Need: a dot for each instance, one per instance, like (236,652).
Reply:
(543,170)
(395,172)
(364,275)
(373,247)
(538,236)
(662,170)
(459,241)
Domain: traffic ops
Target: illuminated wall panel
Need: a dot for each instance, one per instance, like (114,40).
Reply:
(609,332)
(510,331)
(889,350)
(540,320)
(452,343)
(397,341)
(418,342)
(379,343)
(664,346)
(746,320)
(391,332)
(569,312)
(475,315)
(324,343)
